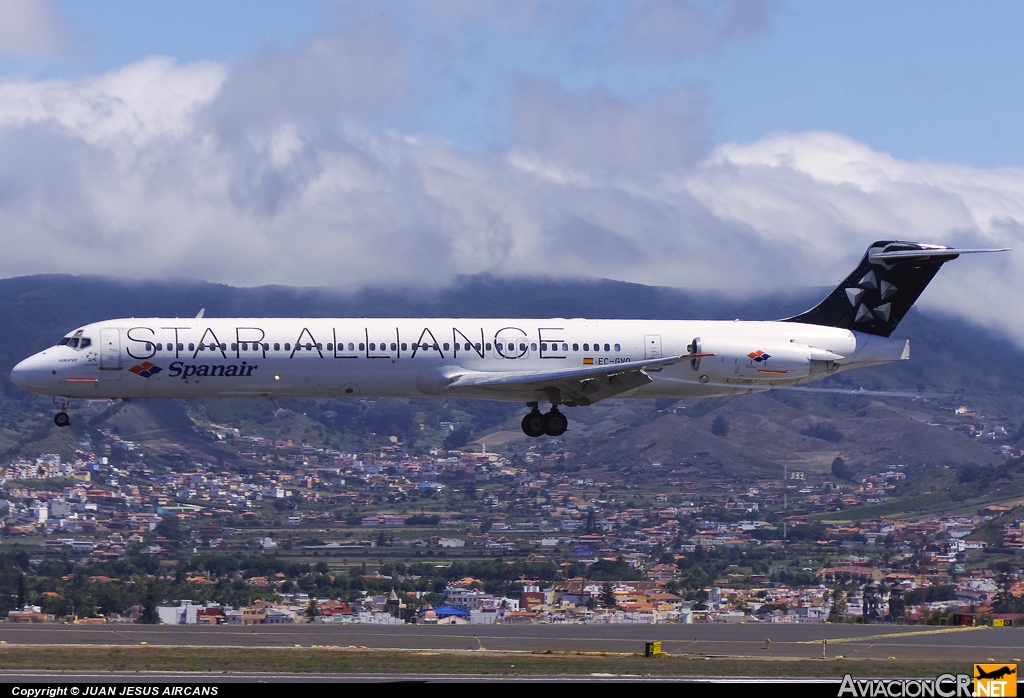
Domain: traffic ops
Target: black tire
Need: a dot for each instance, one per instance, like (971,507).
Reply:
(61,419)
(533,424)
(555,423)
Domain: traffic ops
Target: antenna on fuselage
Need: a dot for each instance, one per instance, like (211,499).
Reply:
(199,315)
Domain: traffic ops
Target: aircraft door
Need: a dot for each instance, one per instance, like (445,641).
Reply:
(110,349)
(652,346)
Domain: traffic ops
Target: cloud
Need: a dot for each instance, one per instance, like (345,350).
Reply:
(32,29)
(124,109)
(360,70)
(516,15)
(633,25)
(818,198)
(679,25)
(597,132)
(152,171)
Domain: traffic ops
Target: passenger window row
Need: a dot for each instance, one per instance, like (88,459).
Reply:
(576,347)
(83,342)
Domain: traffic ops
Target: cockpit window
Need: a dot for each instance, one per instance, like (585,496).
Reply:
(76,341)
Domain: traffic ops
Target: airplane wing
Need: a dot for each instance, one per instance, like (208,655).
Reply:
(585,385)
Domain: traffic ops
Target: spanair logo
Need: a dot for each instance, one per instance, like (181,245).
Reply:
(995,679)
(758,356)
(145,369)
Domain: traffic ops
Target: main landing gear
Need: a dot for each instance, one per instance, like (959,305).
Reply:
(553,423)
(61,419)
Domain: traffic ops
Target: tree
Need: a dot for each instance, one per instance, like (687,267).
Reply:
(838,602)
(312,611)
(823,431)
(171,528)
(283,505)
(389,418)
(12,585)
(840,469)
(700,597)
(458,438)
(1005,600)
(720,426)
(152,591)
(78,593)
(612,570)
(608,595)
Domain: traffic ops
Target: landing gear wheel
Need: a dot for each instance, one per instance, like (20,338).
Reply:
(533,424)
(61,419)
(555,423)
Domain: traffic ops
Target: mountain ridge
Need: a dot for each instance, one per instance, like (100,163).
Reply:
(960,363)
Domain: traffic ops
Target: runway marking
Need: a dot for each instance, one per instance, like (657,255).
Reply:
(912,633)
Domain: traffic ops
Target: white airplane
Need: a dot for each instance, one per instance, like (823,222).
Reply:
(567,362)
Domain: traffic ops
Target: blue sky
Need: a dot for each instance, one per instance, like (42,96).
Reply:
(920,80)
(738,145)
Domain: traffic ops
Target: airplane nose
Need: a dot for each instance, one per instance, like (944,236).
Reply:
(22,375)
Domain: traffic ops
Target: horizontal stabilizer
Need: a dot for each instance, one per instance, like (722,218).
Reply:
(933,251)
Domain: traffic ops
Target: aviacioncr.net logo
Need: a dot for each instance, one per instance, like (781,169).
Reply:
(995,680)
(944,686)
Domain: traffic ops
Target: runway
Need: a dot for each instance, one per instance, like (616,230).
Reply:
(193,677)
(719,640)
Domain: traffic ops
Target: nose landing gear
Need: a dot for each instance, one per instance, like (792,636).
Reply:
(553,423)
(61,419)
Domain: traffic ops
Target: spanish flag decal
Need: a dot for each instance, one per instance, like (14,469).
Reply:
(588,362)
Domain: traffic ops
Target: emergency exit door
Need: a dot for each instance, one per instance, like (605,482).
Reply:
(652,346)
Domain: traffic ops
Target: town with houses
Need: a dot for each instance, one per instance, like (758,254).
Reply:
(478,536)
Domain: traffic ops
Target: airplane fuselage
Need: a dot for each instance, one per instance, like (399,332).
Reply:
(325,358)
(571,362)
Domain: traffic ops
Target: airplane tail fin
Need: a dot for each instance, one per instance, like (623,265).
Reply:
(876,296)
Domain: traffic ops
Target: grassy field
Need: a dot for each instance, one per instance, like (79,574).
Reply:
(894,508)
(325,660)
